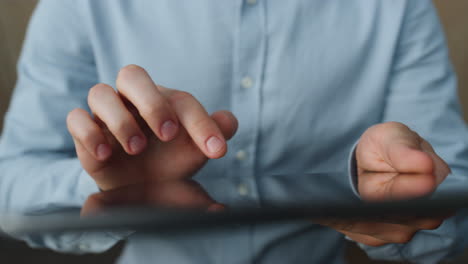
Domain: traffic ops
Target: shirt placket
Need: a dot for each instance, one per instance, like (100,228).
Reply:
(246,98)
(248,67)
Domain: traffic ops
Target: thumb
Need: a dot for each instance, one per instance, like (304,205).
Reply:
(392,147)
(408,157)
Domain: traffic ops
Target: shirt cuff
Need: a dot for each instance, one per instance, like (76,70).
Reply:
(352,170)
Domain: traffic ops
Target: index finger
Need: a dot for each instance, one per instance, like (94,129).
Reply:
(199,125)
(136,86)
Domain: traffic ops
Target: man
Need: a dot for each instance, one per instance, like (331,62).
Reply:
(304,81)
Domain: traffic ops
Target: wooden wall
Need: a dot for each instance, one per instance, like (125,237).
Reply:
(14,16)
(454,17)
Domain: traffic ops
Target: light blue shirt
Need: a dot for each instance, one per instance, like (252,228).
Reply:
(305,78)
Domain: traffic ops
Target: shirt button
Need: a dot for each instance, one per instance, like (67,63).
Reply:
(241,155)
(251,2)
(242,189)
(247,82)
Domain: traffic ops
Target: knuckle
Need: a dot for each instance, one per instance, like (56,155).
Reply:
(98,91)
(88,136)
(128,72)
(201,125)
(177,96)
(73,114)
(119,127)
(124,126)
(73,121)
(151,110)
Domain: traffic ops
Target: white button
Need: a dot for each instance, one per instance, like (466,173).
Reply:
(247,82)
(242,189)
(251,2)
(241,155)
(83,247)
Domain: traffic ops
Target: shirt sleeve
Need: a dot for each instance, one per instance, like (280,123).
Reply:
(422,93)
(40,171)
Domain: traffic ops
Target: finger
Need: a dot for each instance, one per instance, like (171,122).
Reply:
(134,83)
(167,194)
(441,168)
(416,222)
(422,223)
(227,122)
(375,186)
(109,108)
(88,135)
(405,157)
(364,239)
(199,125)
(392,233)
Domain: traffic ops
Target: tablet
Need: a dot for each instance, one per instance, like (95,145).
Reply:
(293,199)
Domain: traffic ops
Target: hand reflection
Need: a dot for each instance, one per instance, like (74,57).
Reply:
(386,229)
(168,194)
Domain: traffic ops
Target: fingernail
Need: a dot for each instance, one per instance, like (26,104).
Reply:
(136,144)
(168,130)
(214,144)
(103,151)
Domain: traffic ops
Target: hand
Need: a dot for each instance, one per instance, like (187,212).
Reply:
(393,163)
(145,134)
(185,193)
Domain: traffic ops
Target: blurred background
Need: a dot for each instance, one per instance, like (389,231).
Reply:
(14,16)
